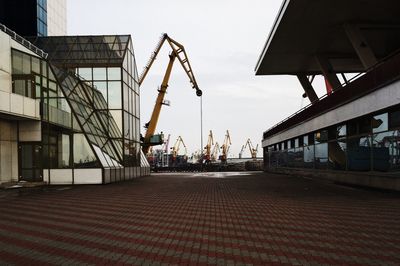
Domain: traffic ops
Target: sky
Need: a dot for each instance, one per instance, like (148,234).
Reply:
(223,40)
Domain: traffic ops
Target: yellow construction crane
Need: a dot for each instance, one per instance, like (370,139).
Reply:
(253,151)
(225,147)
(207,148)
(176,147)
(214,153)
(178,52)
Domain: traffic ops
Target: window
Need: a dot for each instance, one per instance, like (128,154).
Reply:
(380,123)
(394,119)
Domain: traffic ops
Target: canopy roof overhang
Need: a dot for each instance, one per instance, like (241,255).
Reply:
(305,29)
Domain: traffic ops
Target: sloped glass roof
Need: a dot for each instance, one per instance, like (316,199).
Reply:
(73,51)
(96,122)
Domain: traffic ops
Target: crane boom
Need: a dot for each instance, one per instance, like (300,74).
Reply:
(214,154)
(207,148)
(225,147)
(253,151)
(176,147)
(178,51)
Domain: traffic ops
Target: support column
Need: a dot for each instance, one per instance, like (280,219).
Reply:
(328,72)
(363,50)
(308,88)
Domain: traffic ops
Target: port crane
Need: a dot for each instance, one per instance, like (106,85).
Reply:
(215,151)
(176,147)
(225,147)
(253,151)
(207,148)
(241,152)
(178,52)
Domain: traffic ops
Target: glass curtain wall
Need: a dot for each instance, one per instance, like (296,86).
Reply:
(368,143)
(120,89)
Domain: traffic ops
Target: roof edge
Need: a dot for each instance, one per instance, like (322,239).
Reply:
(278,18)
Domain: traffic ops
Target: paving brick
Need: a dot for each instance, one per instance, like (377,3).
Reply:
(259,219)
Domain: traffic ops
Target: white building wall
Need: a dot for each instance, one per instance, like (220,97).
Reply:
(56,17)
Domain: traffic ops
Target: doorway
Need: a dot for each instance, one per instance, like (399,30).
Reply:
(30,161)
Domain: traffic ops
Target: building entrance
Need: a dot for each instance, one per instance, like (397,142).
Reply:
(30,157)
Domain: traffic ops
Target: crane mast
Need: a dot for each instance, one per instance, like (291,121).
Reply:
(176,147)
(207,148)
(225,147)
(178,52)
(214,154)
(253,151)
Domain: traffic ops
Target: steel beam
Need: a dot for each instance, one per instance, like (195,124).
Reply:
(360,45)
(308,88)
(327,71)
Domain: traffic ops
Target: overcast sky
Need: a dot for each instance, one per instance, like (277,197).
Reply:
(223,40)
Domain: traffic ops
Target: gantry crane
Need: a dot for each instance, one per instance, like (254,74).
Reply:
(164,147)
(176,147)
(253,151)
(178,52)
(225,147)
(215,151)
(207,148)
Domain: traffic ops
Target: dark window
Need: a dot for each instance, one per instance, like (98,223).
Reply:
(394,119)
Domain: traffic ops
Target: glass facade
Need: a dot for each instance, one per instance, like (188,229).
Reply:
(368,143)
(41,8)
(89,96)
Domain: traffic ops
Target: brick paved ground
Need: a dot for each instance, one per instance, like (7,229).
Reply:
(260,219)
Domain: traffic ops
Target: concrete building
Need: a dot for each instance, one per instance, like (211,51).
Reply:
(351,134)
(35,17)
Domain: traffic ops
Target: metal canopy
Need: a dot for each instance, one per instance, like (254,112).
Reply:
(305,29)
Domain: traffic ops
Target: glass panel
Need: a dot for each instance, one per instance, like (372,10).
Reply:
(26,64)
(321,136)
(99,73)
(85,73)
(19,87)
(309,156)
(117,115)
(386,151)
(114,73)
(16,62)
(337,154)
(394,120)
(321,155)
(83,154)
(380,123)
(305,140)
(341,131)
(36,65)
(102,87)
(114,95)
(359,153)
(64,151)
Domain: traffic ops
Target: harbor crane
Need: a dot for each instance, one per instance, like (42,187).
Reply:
(225,147)
(178,52)
(215,151)
(176,147)
(253,151)
(241,152)
(207,148)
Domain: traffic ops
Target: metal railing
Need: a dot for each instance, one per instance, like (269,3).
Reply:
(24,42)
(343,86)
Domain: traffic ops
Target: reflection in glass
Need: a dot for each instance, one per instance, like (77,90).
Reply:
(102,87)
(99,73)
(386,151)
(341,131)
(114,73)
(321,155)
(83,155)
(359,153)
(85,73)
(380,123)
(337,154)
(117,115)
(114,95)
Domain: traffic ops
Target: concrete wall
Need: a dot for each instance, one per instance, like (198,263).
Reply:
(375,101)
(8,151)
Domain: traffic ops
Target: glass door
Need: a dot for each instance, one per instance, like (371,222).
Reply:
(30,162)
